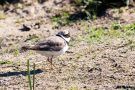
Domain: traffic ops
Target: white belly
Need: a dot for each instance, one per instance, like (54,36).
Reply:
(53,53)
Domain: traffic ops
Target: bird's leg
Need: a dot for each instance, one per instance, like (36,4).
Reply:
(50,61)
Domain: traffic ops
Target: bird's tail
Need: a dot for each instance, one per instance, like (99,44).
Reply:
(29,47)
(25,48)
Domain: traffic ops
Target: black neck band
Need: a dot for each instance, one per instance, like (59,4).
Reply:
(62,38)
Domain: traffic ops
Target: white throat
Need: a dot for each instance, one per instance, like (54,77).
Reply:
(66,39)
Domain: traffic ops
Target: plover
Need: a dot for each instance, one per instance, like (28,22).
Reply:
(52,46)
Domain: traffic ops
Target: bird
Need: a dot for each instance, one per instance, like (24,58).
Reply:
(52,46)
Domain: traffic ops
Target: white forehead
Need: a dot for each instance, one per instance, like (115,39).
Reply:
(66,32)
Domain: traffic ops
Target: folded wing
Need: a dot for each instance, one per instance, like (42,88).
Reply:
(50,44)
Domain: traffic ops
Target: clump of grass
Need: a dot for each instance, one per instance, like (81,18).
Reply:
(61,19)
(116,26)
(129,29)
(5,62)
(2,16)
(33,38)
(114,33)
(73,88)
(89,7)
(123,30)
(16,52)
(94,35)
(18,21)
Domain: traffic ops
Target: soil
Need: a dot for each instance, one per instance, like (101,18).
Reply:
(99,66)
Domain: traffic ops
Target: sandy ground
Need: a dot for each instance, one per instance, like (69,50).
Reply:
(100,66)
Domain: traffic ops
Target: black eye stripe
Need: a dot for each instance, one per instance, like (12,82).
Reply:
(67,35)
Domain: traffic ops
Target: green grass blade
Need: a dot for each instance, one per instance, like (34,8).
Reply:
(34,76)
(28,74)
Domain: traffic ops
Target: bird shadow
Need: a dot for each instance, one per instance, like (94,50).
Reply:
(24,73)
(3,2)
(125,87)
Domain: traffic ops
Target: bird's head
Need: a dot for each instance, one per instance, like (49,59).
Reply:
(64,34)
